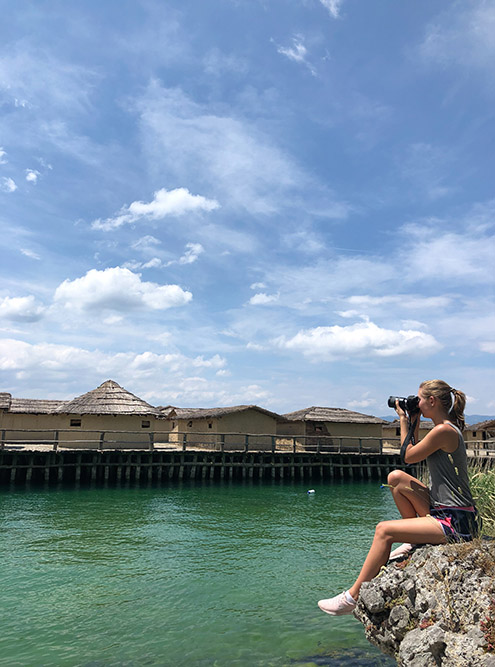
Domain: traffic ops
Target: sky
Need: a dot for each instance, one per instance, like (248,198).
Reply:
(275,202)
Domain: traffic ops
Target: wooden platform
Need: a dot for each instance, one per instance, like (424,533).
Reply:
(121,467)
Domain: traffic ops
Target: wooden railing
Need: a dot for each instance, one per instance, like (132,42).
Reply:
(184,441)
(188,441)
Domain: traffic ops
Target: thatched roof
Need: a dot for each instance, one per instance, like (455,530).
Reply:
(35,406)
(318,414)
(108,399)
(5,399)
(487,425)
(207,413)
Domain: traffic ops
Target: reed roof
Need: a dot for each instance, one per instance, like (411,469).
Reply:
(108,399)
(5,399)
(206,413)
(321,414)
(487,425)
(35,406)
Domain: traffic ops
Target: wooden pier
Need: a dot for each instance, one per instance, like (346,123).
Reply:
(159,467)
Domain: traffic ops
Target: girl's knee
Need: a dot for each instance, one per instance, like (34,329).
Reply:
(382,532)
(395,477)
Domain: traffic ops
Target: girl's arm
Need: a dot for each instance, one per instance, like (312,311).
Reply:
(441,436)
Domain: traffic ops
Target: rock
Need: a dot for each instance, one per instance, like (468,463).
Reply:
(423,647)
(428,610)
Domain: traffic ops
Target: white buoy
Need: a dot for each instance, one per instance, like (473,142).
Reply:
(311,491)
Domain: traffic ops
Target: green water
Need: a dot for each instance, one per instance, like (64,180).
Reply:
(190,574)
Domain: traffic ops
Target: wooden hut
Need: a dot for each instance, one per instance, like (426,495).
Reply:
(391,432)
(480,435)
(205,426)
(108,414)
(332,428)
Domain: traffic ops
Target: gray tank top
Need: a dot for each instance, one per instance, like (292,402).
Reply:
(449,484)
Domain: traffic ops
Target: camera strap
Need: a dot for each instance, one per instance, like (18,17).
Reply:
(408,439)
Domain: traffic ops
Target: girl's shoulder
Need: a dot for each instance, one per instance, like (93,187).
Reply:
(449,434)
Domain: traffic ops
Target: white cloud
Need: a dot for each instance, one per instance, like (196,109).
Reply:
(165,203)
(153,263)
(20,309)
(407,301)
(297,52)
(263,299)
(488,346)
(58,360)
(464,37)
(30,253)
(32,175)
(33,79)
(224,154)
(8,184)
(258,286)
(450,256)
(362,339)
(118,289)
(3,158)
(333,7)
(146,244)
(193,251)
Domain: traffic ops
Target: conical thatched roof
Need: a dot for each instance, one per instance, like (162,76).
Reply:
(108,399)
(318,414)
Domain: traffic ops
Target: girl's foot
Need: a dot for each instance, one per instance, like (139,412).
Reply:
(339,605)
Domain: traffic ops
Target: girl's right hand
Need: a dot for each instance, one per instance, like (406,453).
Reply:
(399,410)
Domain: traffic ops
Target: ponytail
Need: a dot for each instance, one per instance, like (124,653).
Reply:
(452,400)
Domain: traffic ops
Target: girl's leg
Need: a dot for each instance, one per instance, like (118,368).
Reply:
(411,496)
(415,530)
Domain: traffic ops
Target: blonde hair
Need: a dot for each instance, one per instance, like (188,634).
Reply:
(452,400)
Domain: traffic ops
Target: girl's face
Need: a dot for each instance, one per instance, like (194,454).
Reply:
(425,403)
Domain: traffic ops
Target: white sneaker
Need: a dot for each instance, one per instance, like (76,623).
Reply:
(403,550)
(337,606)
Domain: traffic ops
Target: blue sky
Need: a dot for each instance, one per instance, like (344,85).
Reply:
(280,202)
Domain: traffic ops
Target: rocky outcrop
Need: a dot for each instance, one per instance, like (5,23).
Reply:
(436,607)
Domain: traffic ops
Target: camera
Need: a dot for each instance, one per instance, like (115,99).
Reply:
(409,404)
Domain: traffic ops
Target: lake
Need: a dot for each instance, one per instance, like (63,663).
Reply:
(207,574)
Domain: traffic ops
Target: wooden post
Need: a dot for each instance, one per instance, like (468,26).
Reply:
(184,441)
(360,445)
(222,442)
(55,441)
(152,441)
(13,469)
(273,444)
(2,443)
(94,468)
(246,443)
(294,445)
(29,471)
(102,440)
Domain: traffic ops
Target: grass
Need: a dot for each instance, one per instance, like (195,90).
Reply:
(482,482)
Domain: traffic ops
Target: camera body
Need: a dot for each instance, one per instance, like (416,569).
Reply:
(409,404)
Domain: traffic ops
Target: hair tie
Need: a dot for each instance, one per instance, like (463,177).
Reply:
(452,391)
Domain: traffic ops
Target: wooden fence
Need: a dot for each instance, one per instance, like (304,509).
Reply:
(185,441)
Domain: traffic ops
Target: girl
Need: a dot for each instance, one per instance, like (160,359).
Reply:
(443,513)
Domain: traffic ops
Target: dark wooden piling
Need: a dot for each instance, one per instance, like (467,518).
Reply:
(146,467)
